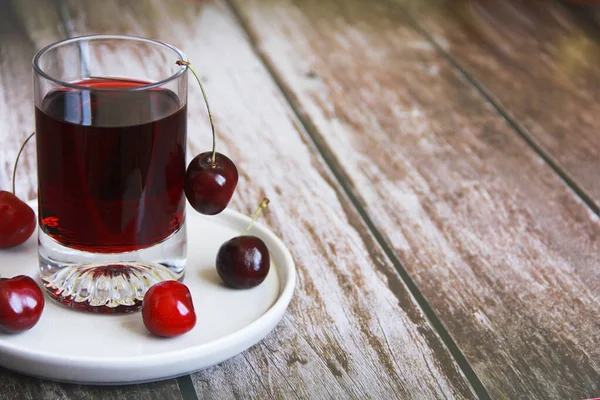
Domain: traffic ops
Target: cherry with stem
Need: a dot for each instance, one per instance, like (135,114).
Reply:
(244,262)
(211,177)
(17,219)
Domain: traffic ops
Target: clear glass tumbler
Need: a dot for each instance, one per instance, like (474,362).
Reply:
(111,117)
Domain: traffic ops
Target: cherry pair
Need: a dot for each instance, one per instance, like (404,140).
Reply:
(210,181)
(21,299)
(242,262)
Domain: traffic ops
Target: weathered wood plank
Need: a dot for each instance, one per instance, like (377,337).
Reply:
(15,386)
(352,329)
(17,47)
(539,63)
(25,27)
(506,254)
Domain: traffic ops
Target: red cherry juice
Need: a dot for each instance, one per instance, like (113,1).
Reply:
(111,165)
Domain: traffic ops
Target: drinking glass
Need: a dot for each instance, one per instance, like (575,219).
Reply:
(110,115)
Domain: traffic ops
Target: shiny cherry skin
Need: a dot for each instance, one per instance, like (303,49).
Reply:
(243,262)
(21,304)
(209,186)
(168,310)
(17,220)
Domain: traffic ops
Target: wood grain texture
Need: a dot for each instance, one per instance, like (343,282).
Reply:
(506,254)
(352,330)
(539,62)
(18,44)
(25,27)
(15,386)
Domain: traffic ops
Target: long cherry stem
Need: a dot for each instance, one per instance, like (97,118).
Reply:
(263,204)
(14,174)
(212,125)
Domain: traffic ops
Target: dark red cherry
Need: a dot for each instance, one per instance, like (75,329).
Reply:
(17,220)
(210,185)
(167,309)
(21,304)
(243,262)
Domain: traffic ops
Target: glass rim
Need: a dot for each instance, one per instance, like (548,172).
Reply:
(162,82)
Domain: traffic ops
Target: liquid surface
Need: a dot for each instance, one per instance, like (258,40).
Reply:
(111,166)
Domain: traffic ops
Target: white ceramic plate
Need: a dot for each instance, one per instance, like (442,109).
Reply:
(73,346)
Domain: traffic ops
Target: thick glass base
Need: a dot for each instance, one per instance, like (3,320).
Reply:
(109,283)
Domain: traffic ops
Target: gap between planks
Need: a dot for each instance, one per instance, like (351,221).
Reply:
(518,128)
(186,388)
(325,153)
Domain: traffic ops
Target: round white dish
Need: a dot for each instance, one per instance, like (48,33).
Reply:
(72,346)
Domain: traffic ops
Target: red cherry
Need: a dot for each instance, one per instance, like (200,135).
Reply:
(167,309)
(17,220)
(21,304)
(243,262)
(210,185)
(211,178)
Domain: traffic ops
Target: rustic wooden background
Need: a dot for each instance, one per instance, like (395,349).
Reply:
(434,167)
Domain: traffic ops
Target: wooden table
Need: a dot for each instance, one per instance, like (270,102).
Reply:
(434,167)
